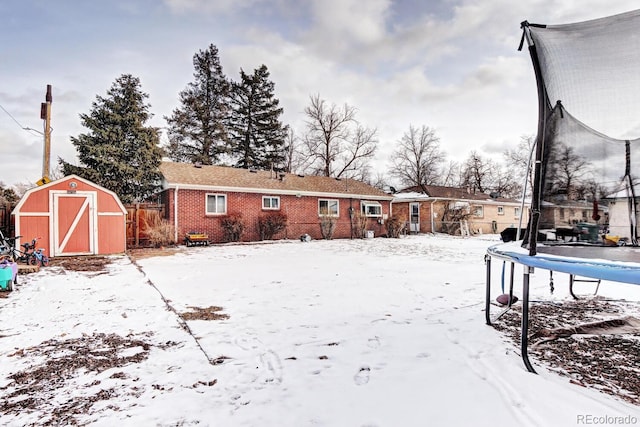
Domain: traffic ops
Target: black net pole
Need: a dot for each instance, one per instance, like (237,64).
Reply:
(536,202)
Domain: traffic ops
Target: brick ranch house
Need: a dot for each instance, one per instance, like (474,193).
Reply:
(424,207)
(197,198)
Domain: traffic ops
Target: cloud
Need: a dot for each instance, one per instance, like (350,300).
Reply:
(208,6)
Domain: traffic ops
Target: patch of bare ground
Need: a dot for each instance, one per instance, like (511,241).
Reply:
(81,263)
(209,313)
(593,342)
(141,253)
(57,381)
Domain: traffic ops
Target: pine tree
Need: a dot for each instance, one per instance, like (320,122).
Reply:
(197,130)
(256,132)
(119,152)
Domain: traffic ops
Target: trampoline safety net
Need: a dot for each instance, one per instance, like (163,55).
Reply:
(587,155)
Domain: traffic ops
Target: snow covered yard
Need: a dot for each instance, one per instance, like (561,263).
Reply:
(374,332)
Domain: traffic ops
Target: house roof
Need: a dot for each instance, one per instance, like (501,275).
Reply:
(223,178)
(450,193)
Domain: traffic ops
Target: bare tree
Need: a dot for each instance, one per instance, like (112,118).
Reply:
(335,144)
(451,174)
(477,173)
(295,161)
(418,159)
(571,168)
(518,159)
(481,175)
(506,182)
(380,182)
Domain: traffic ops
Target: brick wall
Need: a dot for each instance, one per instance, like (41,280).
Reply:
(402,210)
(301,212)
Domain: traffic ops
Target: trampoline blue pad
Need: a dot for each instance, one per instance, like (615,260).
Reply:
(617,264)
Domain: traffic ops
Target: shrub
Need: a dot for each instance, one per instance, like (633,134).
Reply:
(327,226)
(232,227)
(161,233)
(359,222)
(271,224)
(395,225)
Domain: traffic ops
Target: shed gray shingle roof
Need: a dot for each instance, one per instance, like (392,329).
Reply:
(187,175)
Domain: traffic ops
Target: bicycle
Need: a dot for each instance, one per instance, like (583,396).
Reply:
(18,255)
(38,256)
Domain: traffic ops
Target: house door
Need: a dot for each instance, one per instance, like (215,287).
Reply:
(73,224)
(414,218)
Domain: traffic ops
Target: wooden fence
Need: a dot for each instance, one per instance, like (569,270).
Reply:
(6,226)
(141,218)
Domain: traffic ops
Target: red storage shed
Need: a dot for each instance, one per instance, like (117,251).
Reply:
(72,216)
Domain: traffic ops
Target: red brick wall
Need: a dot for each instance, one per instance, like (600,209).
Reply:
(301,212)
(401,209)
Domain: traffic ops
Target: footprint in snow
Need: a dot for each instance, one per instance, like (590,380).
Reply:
(373,342)
(362,376)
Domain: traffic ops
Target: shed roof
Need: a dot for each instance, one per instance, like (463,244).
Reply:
(223,178)
(57,182)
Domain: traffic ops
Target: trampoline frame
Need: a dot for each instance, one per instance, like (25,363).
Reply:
(595,269)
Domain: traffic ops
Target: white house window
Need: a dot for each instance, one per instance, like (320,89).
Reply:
(478,211)
(328,207)
(372,209)
(500,210)
(516,212)
(216,204)
(271,202)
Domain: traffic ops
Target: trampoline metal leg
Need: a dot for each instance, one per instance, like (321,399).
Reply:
(487,307)
(524,338)
(571,279)
(513,266)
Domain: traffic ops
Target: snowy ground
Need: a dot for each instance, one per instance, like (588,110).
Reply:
(374,332)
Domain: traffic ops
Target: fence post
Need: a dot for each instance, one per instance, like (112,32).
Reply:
(136,223)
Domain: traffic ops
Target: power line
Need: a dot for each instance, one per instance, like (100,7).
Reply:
(9,114)
(27,129)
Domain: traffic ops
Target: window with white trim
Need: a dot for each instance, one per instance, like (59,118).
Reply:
(371,209)
(216,204)
(500,210)
(271,203)
(516,212)
(328,207)
(478,211)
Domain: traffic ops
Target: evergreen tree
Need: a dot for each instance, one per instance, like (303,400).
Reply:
(256,132)
(197,130)
(119,152)
(8,195)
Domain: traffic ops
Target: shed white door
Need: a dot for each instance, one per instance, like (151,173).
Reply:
(74,217)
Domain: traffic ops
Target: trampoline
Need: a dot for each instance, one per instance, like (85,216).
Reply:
(585,160)
(588,262)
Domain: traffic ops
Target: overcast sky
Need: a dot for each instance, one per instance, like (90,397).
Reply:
(452,65)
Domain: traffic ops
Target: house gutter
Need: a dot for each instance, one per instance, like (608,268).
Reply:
(175,213)
(433,223)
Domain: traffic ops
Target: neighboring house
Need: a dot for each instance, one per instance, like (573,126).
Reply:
(432,208)
(568,213)
(197,198)
(621,212)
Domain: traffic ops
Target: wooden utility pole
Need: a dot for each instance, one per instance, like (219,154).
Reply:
(45,114)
